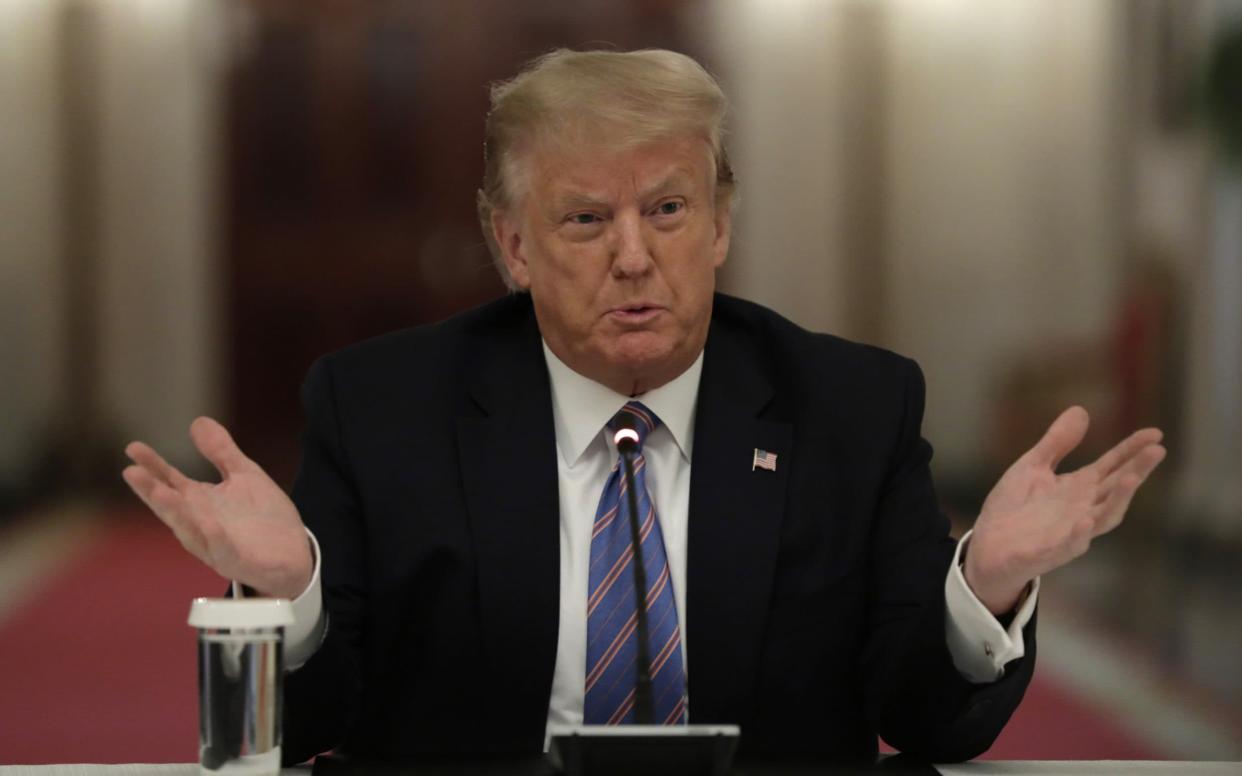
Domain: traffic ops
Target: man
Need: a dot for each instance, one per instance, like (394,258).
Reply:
(465,582)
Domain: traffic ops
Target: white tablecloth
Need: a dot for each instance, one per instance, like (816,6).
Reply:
(980,768)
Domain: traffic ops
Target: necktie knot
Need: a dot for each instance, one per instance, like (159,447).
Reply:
(643,420)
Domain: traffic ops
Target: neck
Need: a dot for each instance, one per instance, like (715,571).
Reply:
(629,383)
(634,384)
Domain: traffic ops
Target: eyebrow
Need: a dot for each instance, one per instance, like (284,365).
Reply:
(573,200)
(676,176)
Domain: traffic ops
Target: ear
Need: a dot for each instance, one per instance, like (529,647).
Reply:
(508,239)
(724,230)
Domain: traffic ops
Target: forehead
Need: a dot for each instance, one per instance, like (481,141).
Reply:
(598,170)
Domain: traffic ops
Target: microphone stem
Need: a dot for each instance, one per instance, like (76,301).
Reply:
(643,703)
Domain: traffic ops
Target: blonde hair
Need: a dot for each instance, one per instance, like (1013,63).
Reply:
(580,98)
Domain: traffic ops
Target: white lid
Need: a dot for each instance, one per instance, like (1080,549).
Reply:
(243,613)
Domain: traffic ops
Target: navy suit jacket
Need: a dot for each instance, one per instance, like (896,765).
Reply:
(815,593)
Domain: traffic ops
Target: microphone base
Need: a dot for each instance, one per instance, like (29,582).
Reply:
(603,750)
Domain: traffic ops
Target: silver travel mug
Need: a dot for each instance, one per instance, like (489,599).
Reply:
(240,683)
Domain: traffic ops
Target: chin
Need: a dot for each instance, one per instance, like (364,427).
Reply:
(643,360)
(641,347)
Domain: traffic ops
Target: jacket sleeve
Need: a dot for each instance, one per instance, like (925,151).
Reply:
(917,700)
(323,695)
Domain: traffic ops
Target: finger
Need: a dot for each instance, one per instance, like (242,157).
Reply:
(140,481)
(163,500)
(1126,482)
(1125,450)
(1142,463)
(217,446)
(1065,433)
(1113,510)
(146,457)
(167,504)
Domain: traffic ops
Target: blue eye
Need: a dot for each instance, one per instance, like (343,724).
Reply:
(670,208)
(583,218)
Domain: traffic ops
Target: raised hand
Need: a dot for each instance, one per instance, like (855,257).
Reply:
(1036,520)
(244,527)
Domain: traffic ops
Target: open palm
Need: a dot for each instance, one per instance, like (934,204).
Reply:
(1036,520)
(244,527)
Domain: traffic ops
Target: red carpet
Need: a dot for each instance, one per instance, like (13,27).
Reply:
(100,667)
(1054,724)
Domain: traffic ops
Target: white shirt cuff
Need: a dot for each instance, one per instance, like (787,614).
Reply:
(978,644)
(304,636)
(310,624)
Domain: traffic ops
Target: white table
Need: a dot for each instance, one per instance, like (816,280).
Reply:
(980,768)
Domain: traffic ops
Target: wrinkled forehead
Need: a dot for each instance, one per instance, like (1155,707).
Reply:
(602,168)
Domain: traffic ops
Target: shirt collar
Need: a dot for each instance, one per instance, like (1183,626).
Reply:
(581,406)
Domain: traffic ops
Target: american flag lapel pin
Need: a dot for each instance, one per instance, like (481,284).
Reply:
(763,460)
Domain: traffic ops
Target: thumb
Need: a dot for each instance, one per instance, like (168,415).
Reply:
(217,446)
(1065,433)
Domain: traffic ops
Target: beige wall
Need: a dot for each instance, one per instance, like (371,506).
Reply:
(982,134)
(160,324)
(783,68)
(147,160)
(31,331)
(993,171)
(1004,234)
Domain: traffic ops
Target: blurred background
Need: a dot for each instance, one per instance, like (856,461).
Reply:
(1039,200)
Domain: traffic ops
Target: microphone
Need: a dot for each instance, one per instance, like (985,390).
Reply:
(626,438)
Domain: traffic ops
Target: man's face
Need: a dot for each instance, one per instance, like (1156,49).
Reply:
(619,252)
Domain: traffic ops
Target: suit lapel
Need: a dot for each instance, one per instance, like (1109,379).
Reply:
(735,521)
(507,448)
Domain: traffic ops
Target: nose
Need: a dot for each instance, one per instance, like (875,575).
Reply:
(631,253)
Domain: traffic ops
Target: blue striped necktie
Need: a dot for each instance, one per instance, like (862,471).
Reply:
(612,636)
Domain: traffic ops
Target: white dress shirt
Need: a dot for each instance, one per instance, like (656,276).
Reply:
(979,645)
(585,454)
